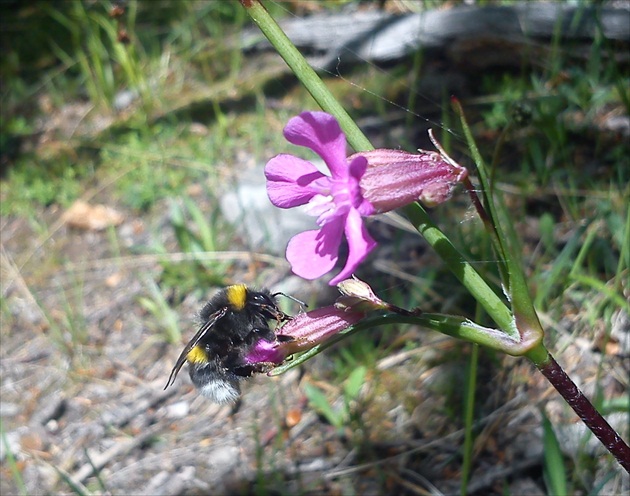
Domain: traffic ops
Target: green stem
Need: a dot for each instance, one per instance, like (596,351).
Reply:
(469,409)
(497,221)
(305,73)
(322,95)
(463,270)
(529,341)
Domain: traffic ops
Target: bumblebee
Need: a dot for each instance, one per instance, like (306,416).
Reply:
(231,323)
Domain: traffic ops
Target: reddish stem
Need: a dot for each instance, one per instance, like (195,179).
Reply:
(472,192)
(586,411)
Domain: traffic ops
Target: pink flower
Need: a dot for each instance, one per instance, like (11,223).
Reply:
(395,178)
(307,330)
(301,333)
(336,200)
(363,184)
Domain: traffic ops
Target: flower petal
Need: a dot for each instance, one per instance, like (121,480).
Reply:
(314,253)
(321,133)
(358,167)
(395,178)
(314,327)
(360,244)
(292,181)
(265,351)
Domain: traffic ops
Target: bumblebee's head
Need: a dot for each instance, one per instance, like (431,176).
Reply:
(239,298)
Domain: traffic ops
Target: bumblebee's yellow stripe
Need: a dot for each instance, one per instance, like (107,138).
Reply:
(237,296)
(197,355)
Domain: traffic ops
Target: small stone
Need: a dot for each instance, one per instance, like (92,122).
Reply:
(9,409)
(178,410)
(13,444)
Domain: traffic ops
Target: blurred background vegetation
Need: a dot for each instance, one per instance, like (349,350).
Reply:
(124,124)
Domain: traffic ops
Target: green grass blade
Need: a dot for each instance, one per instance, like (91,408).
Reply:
(204,227)
(554,470)
(559,269)
(97,472)
(355,381)
(10,460)
(469,417)
(603,288)
(320,403)
(506,243)
(76,488)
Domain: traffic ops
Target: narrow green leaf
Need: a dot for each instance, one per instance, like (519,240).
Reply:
(76,487)
(610,293)
(462,269)
(505,242)
(616,405)
(320,403)
(96,471)
(12,463)
(206,233)
(355,381)
(559,268)
(486,189)
(178,222)
(554,469)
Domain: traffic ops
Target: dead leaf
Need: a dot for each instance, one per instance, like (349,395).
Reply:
(113,280)
(82,215)
(293,417)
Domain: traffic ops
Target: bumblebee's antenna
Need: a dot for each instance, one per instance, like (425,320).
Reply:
(291,298)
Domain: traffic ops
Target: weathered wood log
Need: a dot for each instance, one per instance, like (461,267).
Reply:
(378,36)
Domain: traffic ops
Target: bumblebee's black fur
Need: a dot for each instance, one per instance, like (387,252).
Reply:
(235,333)
(260,306)
(229,328)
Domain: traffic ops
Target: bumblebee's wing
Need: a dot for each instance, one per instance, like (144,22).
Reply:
(205,328)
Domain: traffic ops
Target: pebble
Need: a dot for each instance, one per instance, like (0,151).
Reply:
(178,410)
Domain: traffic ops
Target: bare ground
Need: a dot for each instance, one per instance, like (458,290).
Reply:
(83,370)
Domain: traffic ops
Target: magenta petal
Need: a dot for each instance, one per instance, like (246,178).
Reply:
(360,244)
(358,166)
(357,169)
(292,181)
(365,208)
(314,327)
(395,178)
(314,253)
(321,133)
(265,351)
